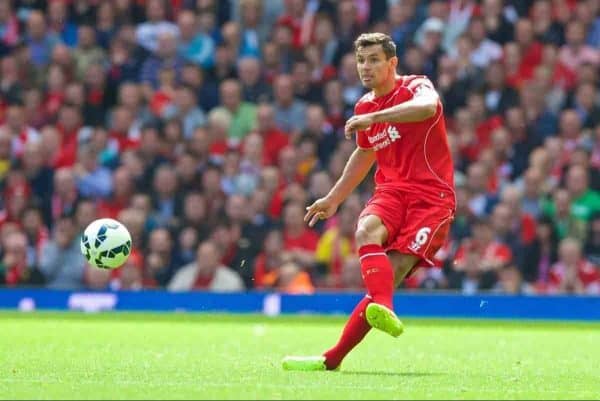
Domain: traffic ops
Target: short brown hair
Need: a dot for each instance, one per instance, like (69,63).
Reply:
(376,38)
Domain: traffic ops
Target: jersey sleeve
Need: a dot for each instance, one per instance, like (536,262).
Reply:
(421,86)
(362,141)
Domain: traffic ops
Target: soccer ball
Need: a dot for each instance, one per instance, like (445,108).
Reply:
(106,243)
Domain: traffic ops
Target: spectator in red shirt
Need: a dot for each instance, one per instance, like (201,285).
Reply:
(562,76)
(55,92)
(572,273)
(69,125)
(531,48)
(300,20)
(17,126)
(274,140)
(522,224)
(492,253)
(122,191)
(478,260)
(121,136)
(270,259)
(298,239)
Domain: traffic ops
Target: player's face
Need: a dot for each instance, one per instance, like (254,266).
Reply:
(374,69)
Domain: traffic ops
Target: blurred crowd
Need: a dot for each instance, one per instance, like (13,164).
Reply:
(206,127)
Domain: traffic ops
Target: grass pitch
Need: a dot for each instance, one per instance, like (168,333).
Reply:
(181,356)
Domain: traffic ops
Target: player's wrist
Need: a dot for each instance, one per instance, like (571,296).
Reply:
(333,199)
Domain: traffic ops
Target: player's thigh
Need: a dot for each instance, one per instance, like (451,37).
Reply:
(425,231)
(384,214)
(370,230)
(403,263)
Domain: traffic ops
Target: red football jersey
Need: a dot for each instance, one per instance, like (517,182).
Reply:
(413,157)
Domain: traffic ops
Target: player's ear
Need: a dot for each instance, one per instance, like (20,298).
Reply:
(393,62)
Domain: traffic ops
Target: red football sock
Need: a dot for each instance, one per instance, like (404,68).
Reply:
(355,330)
(377,273)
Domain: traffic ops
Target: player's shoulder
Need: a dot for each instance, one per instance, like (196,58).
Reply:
(412,82)
(366,98)
(365,102)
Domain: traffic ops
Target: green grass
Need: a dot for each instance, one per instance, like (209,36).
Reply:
(183,356)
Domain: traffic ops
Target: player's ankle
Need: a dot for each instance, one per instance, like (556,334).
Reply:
(385,301)
(331,363)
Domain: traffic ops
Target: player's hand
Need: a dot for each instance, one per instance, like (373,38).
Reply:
(321,209)
(356,123)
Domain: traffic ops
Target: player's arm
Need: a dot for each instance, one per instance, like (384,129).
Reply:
(355,171)
(420,107)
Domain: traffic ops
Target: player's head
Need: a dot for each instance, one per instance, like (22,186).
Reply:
(376,59)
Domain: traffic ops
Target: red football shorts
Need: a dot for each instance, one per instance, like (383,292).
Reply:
(415,226)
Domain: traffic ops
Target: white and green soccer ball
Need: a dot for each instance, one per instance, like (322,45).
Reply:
(106,243)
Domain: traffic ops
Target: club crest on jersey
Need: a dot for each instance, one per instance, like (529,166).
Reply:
(385,137)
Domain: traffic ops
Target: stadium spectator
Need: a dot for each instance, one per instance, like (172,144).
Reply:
(293,280)
(15,266)
(289,111)
(194,46)
(39,40)
(479,258)
(254,89)
(274,140)
(87,51)
(187,110)
(61,262)
(299,240)
(586,201)
(575,51)
(93,180)
(37,234)
(592,244)
(85,212)
(268,262)
(572,273)
(161,261)
(206,272)
(243,114)
(537,258)
(148,33)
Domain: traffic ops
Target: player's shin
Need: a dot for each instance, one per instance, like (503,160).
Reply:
(378,274)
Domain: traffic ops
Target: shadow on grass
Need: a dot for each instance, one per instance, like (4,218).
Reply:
(384,373)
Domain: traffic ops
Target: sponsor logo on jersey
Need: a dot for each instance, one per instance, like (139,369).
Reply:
(387,137)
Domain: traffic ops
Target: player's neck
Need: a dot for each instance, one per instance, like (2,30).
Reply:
(385,87)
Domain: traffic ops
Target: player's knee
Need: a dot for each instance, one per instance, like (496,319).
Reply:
(365,236)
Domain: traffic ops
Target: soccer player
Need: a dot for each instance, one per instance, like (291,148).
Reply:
(399,124)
